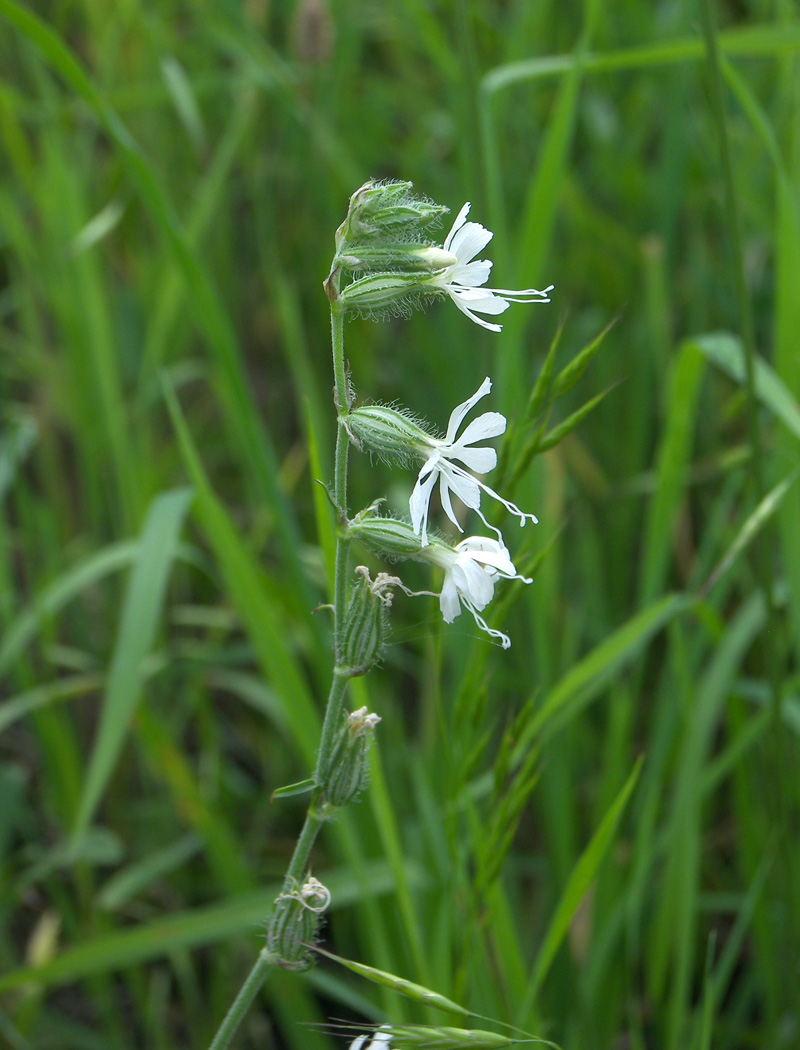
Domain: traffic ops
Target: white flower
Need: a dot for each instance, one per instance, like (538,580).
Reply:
(379,1041)
(470,572)
(453,478)
(462,279)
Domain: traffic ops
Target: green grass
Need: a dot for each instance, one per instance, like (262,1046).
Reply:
(592,835)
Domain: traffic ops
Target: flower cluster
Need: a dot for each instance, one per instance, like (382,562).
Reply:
(382,248)
(382,244)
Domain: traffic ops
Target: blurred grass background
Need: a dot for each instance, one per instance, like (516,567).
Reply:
(173,175)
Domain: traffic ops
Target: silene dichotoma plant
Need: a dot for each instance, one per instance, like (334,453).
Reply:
(385,263)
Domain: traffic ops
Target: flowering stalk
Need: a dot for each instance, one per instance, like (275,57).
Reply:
(295,918)
(383,251)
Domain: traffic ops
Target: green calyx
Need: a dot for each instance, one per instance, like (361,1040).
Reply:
(392,434)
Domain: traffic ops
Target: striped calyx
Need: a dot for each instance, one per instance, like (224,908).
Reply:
(294,922)
(349,766)
(387,537)
(364,628)
(393,435)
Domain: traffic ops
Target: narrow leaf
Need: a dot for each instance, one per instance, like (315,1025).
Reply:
(399,984)
(139,622)
(582,876)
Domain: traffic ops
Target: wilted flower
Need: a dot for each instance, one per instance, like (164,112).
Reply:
(295,921)
(349,765)
(463,279)
(470,572)
(453,478)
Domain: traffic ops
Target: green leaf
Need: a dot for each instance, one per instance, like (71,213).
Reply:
(588,676)
(241,913)
(60,592)
(257,600)
(763,512)
(137,631)
(727,353)
(571,373)
(558,433)
(300,788)
(583,874)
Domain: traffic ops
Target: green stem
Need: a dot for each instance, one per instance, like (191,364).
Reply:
(241,1004)
(340,471)
(298,866)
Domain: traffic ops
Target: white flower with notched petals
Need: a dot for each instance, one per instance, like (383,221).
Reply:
(463,278)
(453,478)
(380,1040)
(471,570)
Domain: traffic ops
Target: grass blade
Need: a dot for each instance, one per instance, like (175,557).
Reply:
(139,622)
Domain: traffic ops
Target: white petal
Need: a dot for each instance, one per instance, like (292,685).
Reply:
(481,543)
(499,562)
(447,506)
(418,504)
(474,317)
(504,640)
(488,425)
(466,487)
(479,585)
(512,508)
(459,222)
(469,240)
(480,299)
(470,274)
(448,600)
(481,460)
(461,410)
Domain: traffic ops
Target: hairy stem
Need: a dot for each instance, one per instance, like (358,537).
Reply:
(298,866)
(241,1004)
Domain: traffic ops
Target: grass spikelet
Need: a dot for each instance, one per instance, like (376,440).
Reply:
(413,991)
(432,1037)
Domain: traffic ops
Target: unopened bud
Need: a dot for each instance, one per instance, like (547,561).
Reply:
(381,208)
(349,766)
(393,435)
(294,923)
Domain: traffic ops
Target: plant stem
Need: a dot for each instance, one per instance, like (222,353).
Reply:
(340,473)
(298,866)
(241,1004)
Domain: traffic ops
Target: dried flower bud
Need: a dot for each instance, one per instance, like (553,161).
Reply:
(349,766)
(294,923)
(364,629)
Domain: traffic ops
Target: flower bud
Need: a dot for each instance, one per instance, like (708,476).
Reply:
(387,537)
(364,629)
(381,208)
(294,923)
(393,435)
(349,766)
